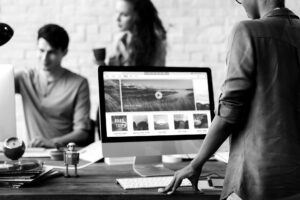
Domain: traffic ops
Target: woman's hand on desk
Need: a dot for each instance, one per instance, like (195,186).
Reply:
(187,172)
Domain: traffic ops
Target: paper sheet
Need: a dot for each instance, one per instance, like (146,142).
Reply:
(222,156)
(37,153)
(88,155)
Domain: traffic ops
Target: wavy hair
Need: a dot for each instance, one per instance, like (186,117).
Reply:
(147,33)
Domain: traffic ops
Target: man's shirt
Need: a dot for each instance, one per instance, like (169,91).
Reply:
(55,109)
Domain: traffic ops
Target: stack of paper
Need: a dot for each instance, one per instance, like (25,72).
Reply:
(87,156)
(17,174)
(37,153)
(222,156)
(119,161)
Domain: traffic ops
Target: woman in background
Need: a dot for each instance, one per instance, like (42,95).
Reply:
(142,41)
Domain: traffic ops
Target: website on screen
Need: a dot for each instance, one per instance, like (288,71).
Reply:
(139,104)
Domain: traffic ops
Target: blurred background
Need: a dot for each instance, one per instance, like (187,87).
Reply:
(197,34)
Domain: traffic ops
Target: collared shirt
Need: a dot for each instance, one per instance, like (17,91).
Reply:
(261,96)
(56,109)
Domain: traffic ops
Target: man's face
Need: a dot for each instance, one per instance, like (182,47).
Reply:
(251,8)
(125,15)
(49,57)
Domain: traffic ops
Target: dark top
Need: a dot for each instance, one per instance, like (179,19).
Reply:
(120,56)
(261,96)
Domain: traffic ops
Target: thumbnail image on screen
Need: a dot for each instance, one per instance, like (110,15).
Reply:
(140,123)
(181,121)
(119,123)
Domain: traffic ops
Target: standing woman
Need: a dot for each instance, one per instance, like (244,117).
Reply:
(142,41)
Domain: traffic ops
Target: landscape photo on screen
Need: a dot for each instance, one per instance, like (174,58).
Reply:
(140,123)
(112,96)
(161,122)
(181,121)
(157,95)
(200,121)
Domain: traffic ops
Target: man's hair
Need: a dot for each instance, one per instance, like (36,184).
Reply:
(55,35)
(280,3)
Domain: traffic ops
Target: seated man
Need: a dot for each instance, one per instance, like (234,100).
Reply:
(56,101)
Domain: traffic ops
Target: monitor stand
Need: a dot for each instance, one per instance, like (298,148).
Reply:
(150,166)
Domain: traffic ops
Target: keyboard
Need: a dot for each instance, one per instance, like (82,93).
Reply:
(148,182)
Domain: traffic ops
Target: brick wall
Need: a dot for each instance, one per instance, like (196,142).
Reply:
(197,33)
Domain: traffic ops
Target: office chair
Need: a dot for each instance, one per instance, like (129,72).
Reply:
(91,133)
(97,123)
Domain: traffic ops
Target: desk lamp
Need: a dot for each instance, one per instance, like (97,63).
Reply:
(6,33)
(13,147)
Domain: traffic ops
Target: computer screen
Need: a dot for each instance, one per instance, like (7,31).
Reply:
(154,111)
(7,103)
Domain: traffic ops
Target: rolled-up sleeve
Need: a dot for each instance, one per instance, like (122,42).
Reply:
(238,86)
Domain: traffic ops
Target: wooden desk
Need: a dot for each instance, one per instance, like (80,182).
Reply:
(98,181)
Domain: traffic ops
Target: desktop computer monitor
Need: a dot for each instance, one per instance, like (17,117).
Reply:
(148,112)
(7,103)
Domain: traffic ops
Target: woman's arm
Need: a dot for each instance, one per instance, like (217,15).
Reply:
(217,134)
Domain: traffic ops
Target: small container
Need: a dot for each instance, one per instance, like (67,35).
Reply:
(100,54)
(57,155)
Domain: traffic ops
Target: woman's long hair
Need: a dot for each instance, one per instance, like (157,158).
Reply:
(147,33)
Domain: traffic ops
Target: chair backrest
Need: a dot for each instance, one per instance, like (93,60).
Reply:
(91,137)
(97,123)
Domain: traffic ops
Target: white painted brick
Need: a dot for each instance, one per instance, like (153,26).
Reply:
(178,56)
(92,28)
(194,47)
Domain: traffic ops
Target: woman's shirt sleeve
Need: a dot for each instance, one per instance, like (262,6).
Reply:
(238,86)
